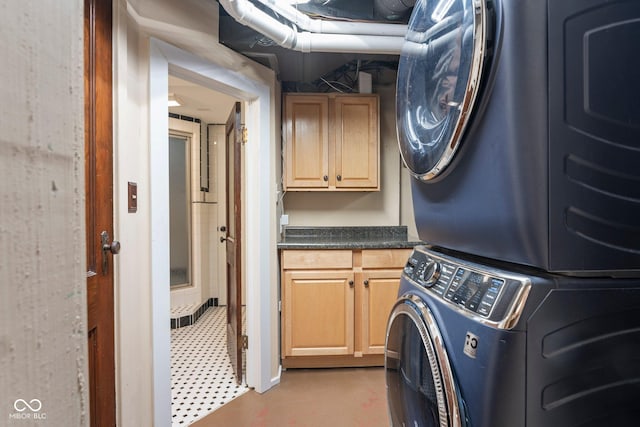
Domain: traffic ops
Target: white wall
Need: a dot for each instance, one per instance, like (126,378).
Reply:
(43,329)
(217,212)
(133,279)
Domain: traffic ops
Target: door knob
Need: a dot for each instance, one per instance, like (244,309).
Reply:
(113,247)
(108,246)
(223,228)
(223,239)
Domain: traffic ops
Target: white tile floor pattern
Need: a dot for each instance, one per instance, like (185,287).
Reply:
(202,379)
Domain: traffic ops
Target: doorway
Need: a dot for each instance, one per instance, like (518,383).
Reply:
(197,161)
(201,376)
(257,89)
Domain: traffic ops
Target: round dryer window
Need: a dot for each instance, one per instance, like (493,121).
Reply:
(438,77)
(420,387)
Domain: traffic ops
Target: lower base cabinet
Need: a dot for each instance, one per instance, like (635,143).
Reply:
(335,305)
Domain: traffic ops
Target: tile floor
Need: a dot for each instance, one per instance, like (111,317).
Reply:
(202,379)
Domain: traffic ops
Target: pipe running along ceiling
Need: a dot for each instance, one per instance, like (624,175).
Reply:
(321,35)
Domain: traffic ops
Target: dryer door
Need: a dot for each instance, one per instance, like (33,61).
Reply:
(438,77)
(420,386)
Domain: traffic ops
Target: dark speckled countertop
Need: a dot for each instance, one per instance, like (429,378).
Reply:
(394,237)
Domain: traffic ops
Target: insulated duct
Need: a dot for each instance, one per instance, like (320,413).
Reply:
(341,40)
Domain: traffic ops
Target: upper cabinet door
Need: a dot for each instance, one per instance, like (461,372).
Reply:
(307,142)
(357,142)
(332,142)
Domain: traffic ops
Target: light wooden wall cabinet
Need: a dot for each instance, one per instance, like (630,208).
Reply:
(335,305)
(332,142)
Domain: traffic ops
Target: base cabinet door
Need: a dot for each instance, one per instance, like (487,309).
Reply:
(318,308)
(380,291)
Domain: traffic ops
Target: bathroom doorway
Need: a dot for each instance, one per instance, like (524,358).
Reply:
(198,208)
(197,199)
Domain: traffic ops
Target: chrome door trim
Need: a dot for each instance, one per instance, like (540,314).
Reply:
(447,397)
(480,17)
(475,76)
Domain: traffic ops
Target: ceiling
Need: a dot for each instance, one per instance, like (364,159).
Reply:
(200,102)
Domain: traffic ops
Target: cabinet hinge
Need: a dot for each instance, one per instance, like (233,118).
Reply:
(245,342)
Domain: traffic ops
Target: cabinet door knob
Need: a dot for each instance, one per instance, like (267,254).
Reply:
(326,177)
(351,283)
(366,283)
(339,177)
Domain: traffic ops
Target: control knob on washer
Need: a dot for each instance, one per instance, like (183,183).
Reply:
(431,273)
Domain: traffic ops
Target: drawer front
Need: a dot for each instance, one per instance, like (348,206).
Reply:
(385,258)
(316,259)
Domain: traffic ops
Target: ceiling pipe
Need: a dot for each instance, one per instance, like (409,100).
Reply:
(290,13)
(247,14)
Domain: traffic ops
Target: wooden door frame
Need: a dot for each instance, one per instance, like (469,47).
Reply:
(234,240)
(98,76)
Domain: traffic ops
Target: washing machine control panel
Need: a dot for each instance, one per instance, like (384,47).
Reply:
(486,292)
(475,291)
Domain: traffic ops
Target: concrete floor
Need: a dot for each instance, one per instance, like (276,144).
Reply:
(311,398)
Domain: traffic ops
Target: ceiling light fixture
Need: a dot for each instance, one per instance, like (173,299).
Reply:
(174,101)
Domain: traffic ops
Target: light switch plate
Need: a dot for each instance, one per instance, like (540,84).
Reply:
(132,197)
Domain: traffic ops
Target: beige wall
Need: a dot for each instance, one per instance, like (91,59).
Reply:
(189,18)
(385,207)
(43,329)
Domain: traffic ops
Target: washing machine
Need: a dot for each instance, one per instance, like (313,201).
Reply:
(470,345)
(520,122)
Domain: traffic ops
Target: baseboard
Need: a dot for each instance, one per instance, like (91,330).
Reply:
(191,318)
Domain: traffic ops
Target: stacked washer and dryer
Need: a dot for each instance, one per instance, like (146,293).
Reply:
(520,123)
